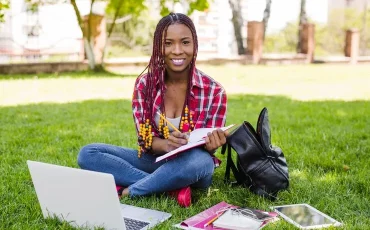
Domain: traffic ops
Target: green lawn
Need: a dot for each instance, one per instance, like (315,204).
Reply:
(299,82)
(326,144)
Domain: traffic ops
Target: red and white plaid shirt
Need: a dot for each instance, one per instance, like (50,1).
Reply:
(207,102)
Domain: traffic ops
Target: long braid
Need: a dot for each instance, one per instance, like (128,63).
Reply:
(156,67)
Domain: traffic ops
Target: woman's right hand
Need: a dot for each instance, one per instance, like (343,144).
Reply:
(175,140)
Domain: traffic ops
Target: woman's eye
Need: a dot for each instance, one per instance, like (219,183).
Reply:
(167,43)
(186,42)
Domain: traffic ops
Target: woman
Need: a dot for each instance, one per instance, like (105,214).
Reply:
(189,99)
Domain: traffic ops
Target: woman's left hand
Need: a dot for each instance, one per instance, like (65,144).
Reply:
(214,140)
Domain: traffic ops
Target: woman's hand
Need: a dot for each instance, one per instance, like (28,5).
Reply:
(175,140)
(214,140)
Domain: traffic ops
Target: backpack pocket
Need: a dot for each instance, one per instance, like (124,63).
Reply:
(268,178)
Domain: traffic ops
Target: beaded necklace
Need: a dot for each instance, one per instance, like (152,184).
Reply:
(186,124)
(146,135)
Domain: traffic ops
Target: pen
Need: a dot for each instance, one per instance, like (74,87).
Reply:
(211,221)
(169,123)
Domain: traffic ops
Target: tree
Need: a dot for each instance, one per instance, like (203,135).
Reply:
(199,5)
(364,24)
(86,35)
(266,16)
(116,8)
(120,8)
(302,20)
(4,5)
(237,21)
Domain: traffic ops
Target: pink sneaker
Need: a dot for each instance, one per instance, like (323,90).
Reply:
(182,195)
(119,190)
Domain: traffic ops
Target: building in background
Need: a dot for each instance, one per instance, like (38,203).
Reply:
(54,28)
(50,32)
(215,30)
(214,27)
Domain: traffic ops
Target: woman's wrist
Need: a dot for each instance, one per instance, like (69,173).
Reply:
(159,146)
(210,151)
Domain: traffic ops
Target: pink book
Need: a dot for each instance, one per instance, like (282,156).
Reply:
(201,219)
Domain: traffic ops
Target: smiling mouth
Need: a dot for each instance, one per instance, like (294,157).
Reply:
(178,62)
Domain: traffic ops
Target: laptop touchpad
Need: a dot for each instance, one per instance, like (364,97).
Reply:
(141,213)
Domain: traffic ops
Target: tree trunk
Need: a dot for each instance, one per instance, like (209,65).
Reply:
(302,20)
(237,21)
(111,29)
(89,54)
(86,36)
(364,37)
(266,16)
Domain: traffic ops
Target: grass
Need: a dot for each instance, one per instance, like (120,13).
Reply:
(300,82)
(326,144)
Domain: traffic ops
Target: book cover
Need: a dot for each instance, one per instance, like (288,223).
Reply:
(201,219)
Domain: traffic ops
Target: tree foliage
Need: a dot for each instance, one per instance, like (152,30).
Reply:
(4,5)
(124,7)
(200,5)
(115,9)
(329,38)
(335,31)
(282,41)
(137,33)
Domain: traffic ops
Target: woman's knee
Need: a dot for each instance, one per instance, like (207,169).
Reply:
(85,155)
(200,160)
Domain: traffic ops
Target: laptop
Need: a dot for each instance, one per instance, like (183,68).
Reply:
(87,199)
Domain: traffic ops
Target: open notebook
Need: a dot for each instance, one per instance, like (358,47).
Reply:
(237,221)
(196,138)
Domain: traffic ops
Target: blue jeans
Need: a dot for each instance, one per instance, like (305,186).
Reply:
(142,175)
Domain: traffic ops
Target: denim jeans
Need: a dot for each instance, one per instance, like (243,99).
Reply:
(142,175)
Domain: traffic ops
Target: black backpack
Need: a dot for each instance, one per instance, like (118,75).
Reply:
(259,166)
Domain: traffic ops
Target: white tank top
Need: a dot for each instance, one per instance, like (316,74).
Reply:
(174,121)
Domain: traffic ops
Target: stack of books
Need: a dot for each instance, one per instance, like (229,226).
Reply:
(226,216)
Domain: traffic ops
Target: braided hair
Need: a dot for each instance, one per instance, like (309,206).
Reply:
(156,66)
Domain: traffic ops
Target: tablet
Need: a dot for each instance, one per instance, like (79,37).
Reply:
(305,216)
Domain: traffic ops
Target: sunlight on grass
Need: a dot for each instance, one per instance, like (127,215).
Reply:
(299,82)
(298,173)
(328,178)
(327,155)
(326,142)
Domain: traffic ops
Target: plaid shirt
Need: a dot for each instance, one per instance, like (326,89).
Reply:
(207,102)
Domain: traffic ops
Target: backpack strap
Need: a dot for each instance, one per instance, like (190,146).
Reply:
(230,165)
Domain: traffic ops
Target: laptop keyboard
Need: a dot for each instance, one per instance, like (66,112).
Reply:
(132,224)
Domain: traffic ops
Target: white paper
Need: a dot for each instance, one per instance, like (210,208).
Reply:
(231,220)
(196,138)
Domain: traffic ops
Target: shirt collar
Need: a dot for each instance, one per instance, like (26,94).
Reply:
(197,79)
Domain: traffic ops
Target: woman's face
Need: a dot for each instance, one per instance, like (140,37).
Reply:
(179,48)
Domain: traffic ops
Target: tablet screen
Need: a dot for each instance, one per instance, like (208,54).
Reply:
(305,215)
